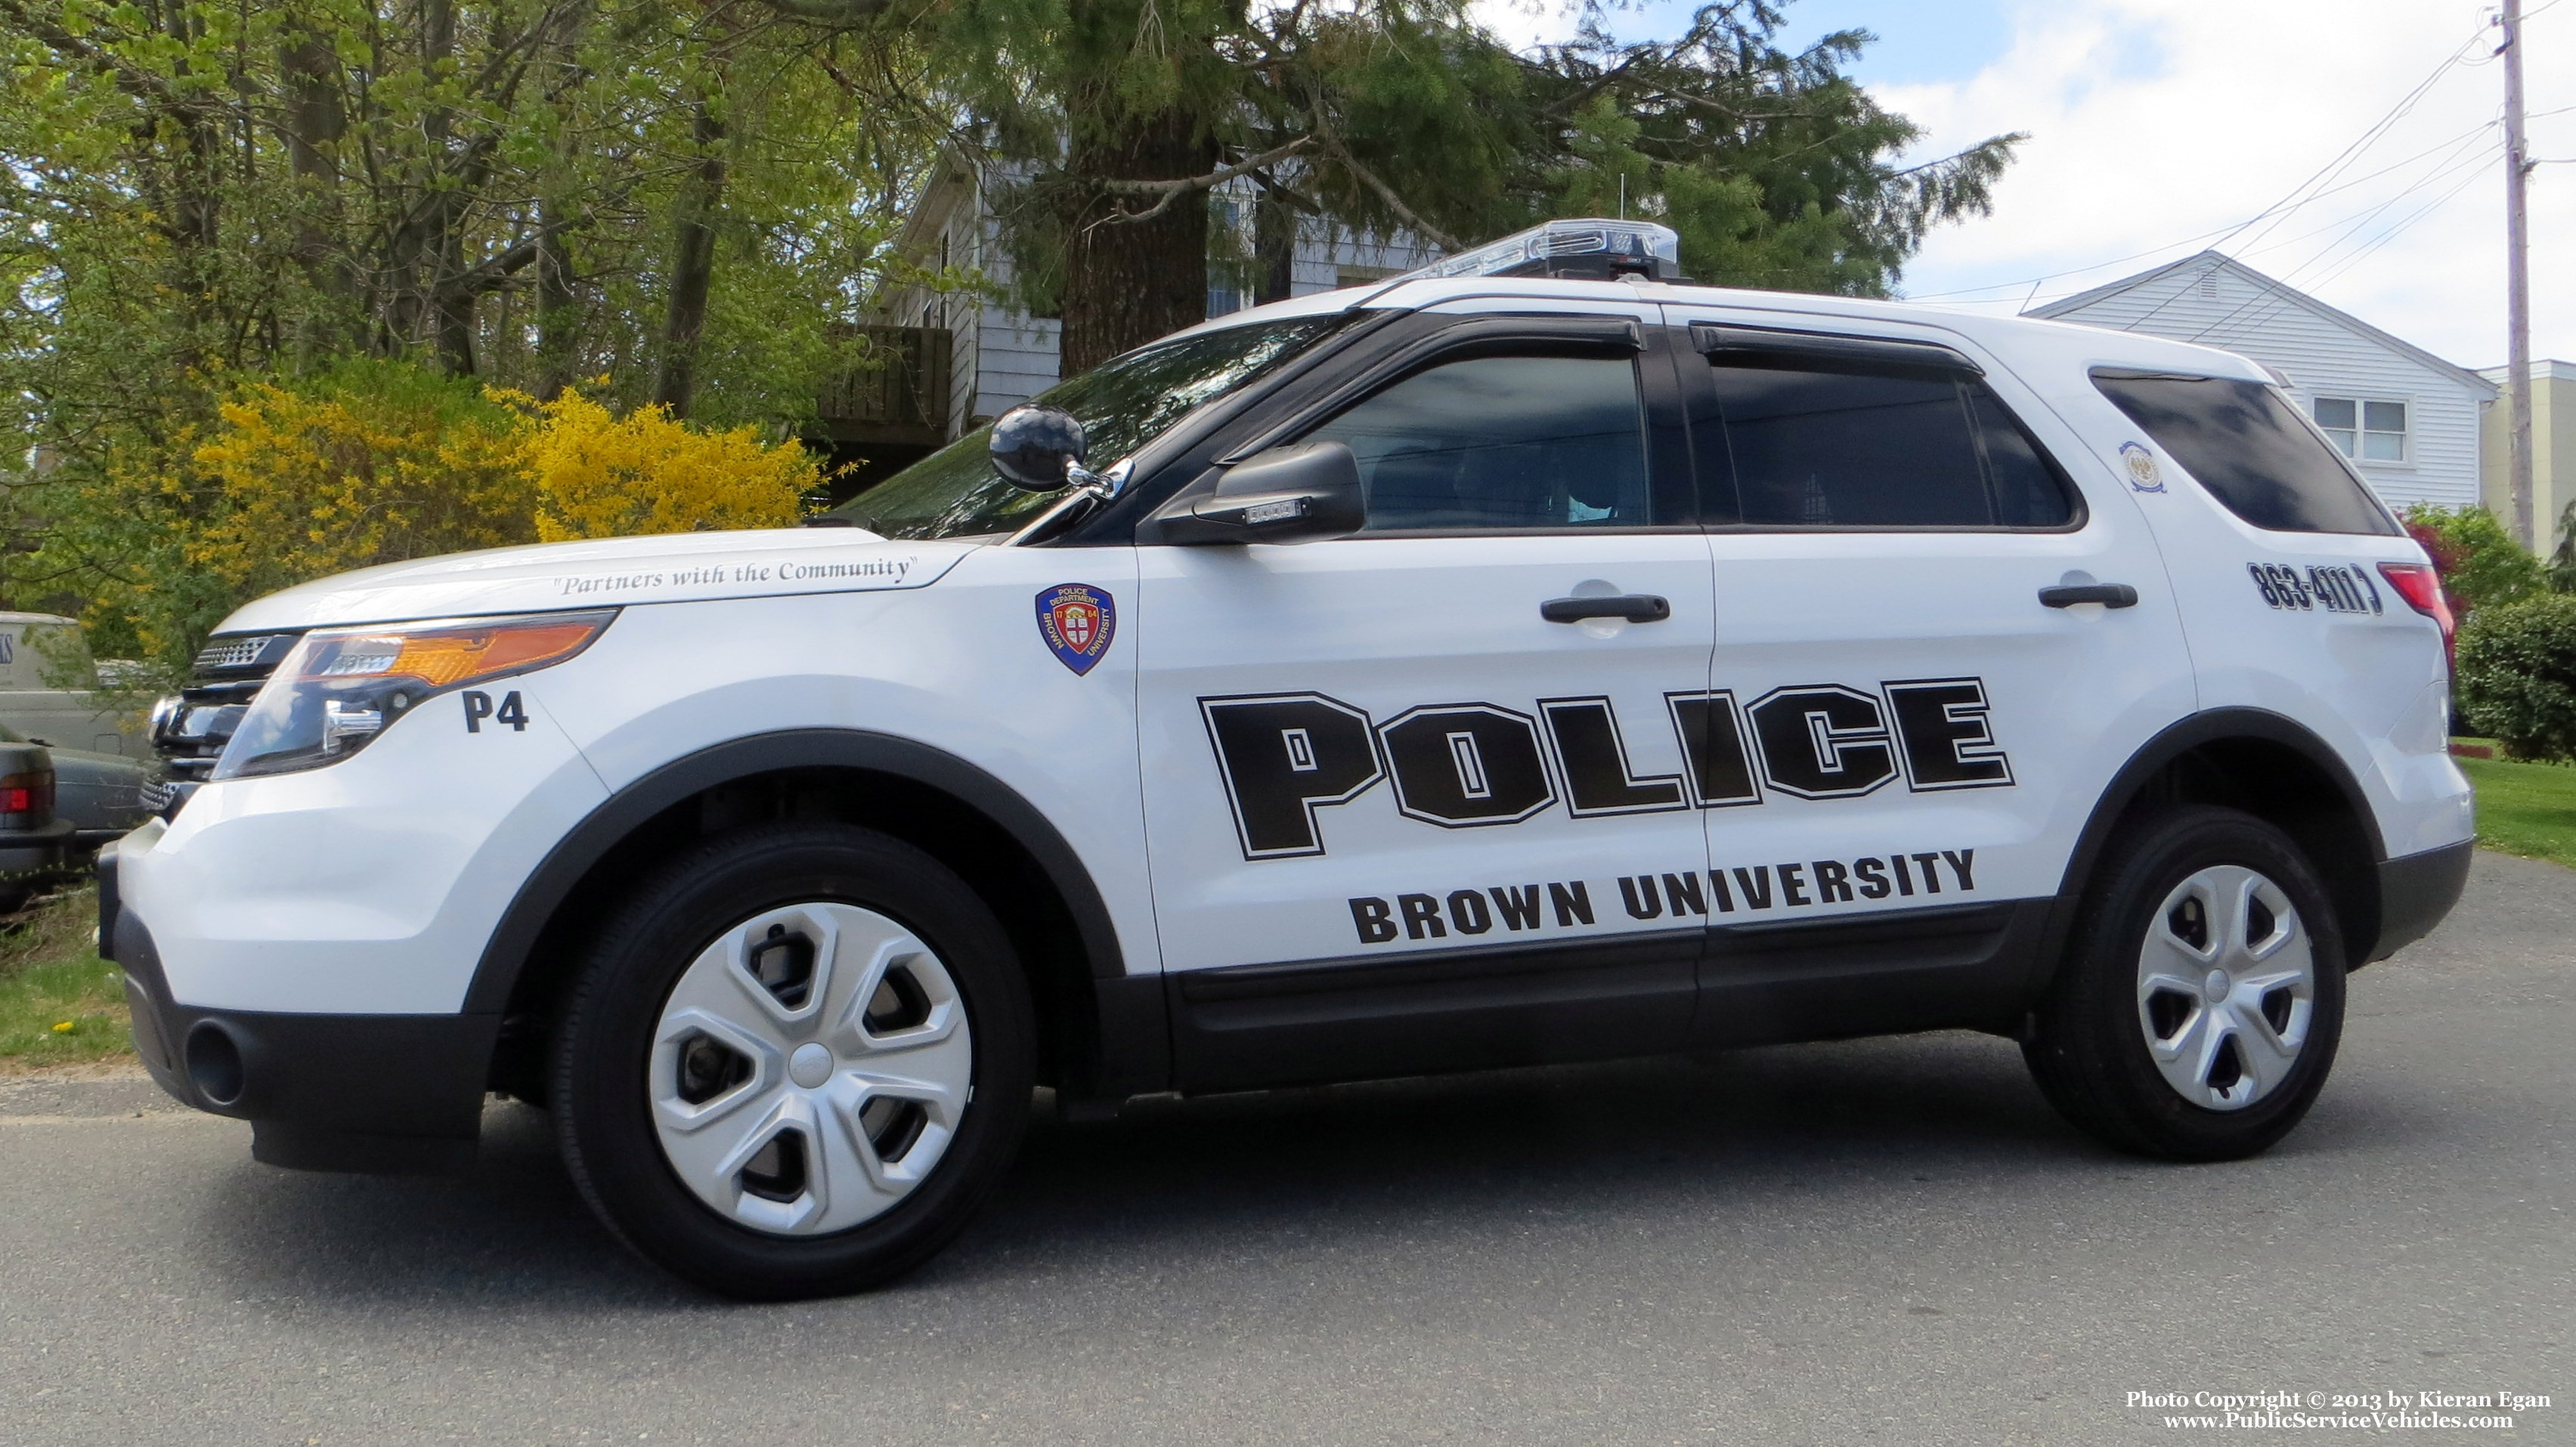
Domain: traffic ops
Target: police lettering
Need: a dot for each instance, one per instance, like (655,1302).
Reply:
(1283,757)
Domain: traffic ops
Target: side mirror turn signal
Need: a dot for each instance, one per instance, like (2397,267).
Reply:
(1300,494)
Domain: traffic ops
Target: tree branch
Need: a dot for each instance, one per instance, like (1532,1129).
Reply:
(1171,191)
(1406,214)
(846,13)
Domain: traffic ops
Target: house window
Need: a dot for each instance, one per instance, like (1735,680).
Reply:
(1230,251)
(2370,431)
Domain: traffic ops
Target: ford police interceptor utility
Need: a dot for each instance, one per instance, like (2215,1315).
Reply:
(1531,659)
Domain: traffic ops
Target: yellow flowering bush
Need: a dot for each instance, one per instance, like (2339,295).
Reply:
(599,475)
(381,461)
(373,463)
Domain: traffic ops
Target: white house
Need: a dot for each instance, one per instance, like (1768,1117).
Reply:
(2407,419)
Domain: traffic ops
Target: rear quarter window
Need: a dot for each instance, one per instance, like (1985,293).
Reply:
(2245,443)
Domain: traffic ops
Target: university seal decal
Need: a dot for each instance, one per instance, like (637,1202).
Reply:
(2144,475)
(1077,622)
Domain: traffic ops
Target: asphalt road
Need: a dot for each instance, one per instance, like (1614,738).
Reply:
(1887,1241)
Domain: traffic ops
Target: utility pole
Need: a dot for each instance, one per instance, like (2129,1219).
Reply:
(2517,284)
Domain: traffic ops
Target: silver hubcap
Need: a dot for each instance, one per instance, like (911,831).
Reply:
(810,1069)
(2227,983)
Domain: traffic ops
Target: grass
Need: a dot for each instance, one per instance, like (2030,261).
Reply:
(2525,809)
(60,1004)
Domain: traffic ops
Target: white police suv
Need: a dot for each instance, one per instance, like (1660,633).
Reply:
(1534,661)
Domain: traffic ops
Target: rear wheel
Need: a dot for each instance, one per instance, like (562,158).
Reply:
(2201,1002)
(795,1063)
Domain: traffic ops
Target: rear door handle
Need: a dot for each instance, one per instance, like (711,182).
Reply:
(2109,595)
(1635,607)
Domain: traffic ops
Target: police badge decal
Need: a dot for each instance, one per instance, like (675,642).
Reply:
(1077,622)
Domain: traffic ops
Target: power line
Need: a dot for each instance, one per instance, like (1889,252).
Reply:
(2214,231)
(2291,202)
(2332,168)
(2453,166)
(2443,170)
(2395,113)
(2277,291)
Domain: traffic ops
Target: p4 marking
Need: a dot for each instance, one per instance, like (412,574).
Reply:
(478,707)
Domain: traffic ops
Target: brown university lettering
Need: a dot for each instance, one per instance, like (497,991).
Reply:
(1682,896)
(1285,756)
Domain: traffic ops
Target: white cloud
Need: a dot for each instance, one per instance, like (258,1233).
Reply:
(2155,121)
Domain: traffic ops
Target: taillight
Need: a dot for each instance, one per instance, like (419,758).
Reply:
(2421,587)
(27,793)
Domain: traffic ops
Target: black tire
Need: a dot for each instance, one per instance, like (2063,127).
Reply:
(604,1042)
(2090,1051)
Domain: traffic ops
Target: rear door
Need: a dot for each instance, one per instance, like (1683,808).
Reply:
(1924,712)
(1402,814)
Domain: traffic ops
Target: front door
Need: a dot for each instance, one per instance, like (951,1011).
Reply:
(1925,714)
(1403,814)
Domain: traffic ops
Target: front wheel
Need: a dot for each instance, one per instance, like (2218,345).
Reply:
(2201,1001)
(797,1060)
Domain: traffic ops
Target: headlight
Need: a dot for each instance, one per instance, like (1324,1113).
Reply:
(342,686)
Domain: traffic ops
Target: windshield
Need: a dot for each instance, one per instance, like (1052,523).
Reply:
(1122,404)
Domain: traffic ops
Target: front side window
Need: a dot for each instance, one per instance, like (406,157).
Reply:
(1503,442)
(1817,445)
(2244,442)
(2361,428)
(1122,404)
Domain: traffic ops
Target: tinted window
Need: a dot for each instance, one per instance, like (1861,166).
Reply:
(1503,442)
(2243,442)
(1855,448)
(1123,404)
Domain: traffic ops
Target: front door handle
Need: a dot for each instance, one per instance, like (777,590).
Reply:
(1635,607)
(2109,595)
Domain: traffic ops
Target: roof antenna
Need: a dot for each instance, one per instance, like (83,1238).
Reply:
(1623,195)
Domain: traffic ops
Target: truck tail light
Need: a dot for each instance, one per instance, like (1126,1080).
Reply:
(2421,587)
(30,793)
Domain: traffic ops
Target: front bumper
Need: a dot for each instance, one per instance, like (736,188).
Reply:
(393,1094)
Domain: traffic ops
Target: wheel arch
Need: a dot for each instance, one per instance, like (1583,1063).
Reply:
(1102,1030)
(2270,766)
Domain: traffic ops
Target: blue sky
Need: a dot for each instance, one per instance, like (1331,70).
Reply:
(2158,126)
(1916,41)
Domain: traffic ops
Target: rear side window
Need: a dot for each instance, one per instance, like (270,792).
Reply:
(1813,444)
(2244,442)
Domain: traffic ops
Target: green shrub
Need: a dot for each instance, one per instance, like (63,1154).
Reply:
(2517,675)
(2480,563)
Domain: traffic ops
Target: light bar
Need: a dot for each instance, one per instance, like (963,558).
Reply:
(1591,249)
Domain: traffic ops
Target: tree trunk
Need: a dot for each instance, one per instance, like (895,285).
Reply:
(454,305)
(1127,283)
(316,121)
(693,266)
(558,312)
(1274,249)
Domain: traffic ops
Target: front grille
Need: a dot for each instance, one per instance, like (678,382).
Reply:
(230,653)
(190,729)
(261,651)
